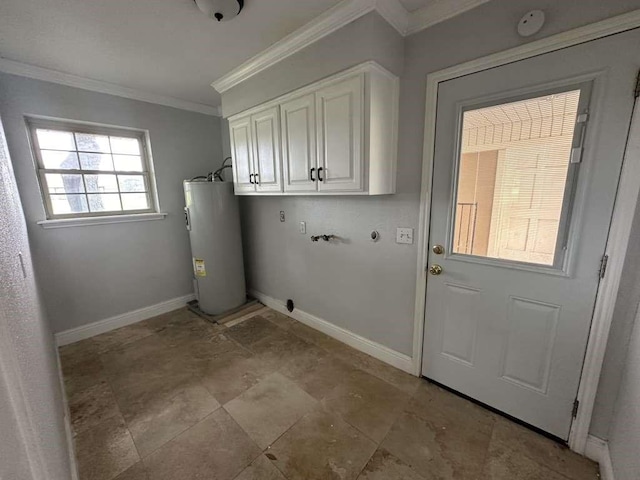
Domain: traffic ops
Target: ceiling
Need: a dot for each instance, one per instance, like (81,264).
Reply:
(166,47)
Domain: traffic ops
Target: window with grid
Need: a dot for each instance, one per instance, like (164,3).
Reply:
(87,171)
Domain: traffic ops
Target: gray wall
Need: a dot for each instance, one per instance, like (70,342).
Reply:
(364,287)
(624,435)
(33,443)
(90,273)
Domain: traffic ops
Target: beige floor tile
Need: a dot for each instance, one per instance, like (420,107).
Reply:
(90,407)
(105,451)
(523,442)
(321,446)
(438,448)
(137,398)
(216,448)
(280,347)
(137,472)
(121,337)
(77,352)
(167,418)
(436,404)
(260,469)
(504,464)
(316,371)
(251,331)
(384,466)
(231,374)
(279,319)
(142,361)
(367,403)
(83,375)
(189,329)
(270,408)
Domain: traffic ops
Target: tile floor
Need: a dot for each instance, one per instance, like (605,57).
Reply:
(269,398)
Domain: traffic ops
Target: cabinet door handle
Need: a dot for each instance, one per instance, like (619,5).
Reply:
(319,172)
(251,179)
(256,179)
(313,170)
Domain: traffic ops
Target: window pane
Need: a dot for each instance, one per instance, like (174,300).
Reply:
(55,139)
(131,183)
(108,202)
(101,183)
(128,163)
(512,174)
(65,204)
(135,201)
(88,142)
(62,183)
(96,161)
(125,145)
(59,160)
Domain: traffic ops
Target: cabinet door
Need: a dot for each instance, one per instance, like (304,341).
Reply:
(299,144)
(340,135)
(265,129)
(242,152)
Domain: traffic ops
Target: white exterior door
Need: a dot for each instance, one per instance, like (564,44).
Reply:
(299,144)
(265,131)
(526,166)
(340,128)
(242,153)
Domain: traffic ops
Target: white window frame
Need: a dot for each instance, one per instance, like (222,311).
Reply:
(35,123)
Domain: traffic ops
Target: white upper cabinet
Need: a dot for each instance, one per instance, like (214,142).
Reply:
(335,137)
(265,132)
(340,139)
(241,150)
(299,161)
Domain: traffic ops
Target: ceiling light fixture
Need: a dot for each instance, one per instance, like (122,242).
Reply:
(221,10)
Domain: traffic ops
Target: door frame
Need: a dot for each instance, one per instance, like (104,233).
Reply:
(619,231)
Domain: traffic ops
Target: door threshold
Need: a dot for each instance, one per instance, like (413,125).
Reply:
(498,412)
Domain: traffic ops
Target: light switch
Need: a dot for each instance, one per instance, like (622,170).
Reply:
(303,227)
(404,235)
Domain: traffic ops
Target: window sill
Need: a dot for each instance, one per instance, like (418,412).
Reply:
(88,221)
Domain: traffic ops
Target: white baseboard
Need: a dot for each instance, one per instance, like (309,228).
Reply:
(598,451)
(87,331)
(376,350)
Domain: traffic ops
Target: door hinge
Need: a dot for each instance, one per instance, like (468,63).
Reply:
(576,406)
(603,265)
(636,92)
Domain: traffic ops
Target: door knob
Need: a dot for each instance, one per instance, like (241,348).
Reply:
(435,269)
(438,249)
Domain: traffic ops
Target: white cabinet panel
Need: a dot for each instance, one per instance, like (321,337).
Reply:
(299,144)
(337,136)
(241,150)
(265,127)
(340,141)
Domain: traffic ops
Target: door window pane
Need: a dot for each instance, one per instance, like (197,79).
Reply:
(512,175)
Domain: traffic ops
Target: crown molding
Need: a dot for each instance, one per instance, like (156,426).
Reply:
(394,13)
(55,76)
(347,11)
(439,11)
(333,19)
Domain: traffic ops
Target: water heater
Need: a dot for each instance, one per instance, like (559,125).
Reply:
(213,221)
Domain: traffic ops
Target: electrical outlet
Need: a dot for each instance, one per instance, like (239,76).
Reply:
(282,215)
(404,235)
(303,227)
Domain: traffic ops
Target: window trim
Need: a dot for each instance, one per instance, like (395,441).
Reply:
(148,173)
